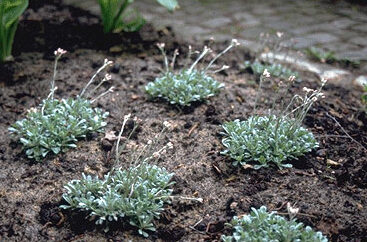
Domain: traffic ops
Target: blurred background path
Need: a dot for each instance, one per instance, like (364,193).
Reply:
(331,25)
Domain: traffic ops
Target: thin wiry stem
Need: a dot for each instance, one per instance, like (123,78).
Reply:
(105,65)
(103,94)
(203,53)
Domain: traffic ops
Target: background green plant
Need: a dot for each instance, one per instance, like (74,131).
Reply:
(184,87)
(10,11)
(329,57)
(189,84)
(276,70)
(261,226)
(56,126)
(262,140)
(117,17)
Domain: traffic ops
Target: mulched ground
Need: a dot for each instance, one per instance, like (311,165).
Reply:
(332,199)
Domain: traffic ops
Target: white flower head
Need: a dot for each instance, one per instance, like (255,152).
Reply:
(266,73)
(167,124)
(156,155)
(280,34)
(235,42)
(108,77)
(59,52)
(170,146)
(107,62)
(323,81)
(161,45)
(126,117)
(150,142)
(32,110)
(291,78)
(291,210)
(307,90)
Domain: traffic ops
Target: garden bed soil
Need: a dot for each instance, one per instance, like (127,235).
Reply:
(331,197)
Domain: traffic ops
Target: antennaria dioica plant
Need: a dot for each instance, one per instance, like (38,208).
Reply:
(190,84)
(261,225)
(116,16)
(56,125)
(274,44)
(275,137)
(10,11)
(136,194)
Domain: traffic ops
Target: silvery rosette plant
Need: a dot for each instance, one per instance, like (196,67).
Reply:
(10,11)
(189,84)
(275,70)
(273,138)
(261,225)
(56,125)
(135,195)
(116,15)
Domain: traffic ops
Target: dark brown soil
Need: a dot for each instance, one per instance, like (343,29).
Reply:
(332,199)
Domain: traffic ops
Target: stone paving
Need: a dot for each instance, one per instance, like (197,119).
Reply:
(339,26)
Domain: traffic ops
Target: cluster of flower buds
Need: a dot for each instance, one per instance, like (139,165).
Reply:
(157,154)
(167,124)
(59,52)
(107,62)
(292,211)
(235,42)
(161,45)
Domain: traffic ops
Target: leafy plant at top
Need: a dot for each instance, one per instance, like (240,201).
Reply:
(136,194)
(57,124)
(329,57)
(276,70)
(260,225)
(116,16)
(10,11)
(275,137)
(189,84)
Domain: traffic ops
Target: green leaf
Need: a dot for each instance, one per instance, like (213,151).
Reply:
(171,5)
(12,9)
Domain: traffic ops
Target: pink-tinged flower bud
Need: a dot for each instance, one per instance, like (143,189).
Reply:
(59,52)
(161,45)
(156,155)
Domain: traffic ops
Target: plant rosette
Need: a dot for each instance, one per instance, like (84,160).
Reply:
(264,140)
